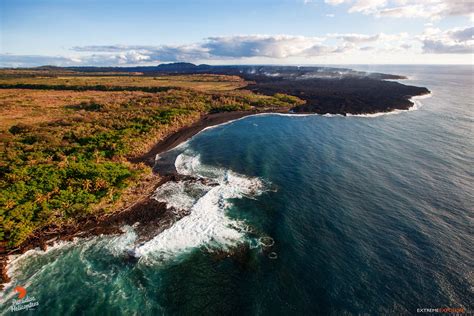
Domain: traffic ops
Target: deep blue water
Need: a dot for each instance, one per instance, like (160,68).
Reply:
(368,215)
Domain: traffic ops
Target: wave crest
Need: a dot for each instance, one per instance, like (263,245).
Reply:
(207,197)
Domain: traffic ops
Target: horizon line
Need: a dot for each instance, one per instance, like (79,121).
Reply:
(200,64)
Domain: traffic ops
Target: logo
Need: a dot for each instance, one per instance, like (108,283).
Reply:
(24,301)
(21,292)
(443,310)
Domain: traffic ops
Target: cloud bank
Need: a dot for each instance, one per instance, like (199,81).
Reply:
(212,48)
(454,41)
(224,47)
(244,46)
(248,47)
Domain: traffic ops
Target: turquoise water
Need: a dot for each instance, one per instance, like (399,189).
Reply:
(298,215)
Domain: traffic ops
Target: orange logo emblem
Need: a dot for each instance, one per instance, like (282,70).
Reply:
(21,291)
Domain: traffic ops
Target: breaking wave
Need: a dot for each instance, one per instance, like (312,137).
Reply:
(207,198)
(36,264)
(416,106)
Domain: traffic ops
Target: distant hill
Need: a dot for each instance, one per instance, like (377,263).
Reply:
(249,72)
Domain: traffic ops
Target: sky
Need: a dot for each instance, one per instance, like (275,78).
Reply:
(300,32)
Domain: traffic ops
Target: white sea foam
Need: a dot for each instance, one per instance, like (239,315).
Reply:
(187,164)
(114,245)
(416,105)
(181,195)
(416,100)
(15,264)
(379,113)
(208,224)
(15,260)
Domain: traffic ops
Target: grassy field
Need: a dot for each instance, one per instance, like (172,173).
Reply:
(55,72)
(64,154)
(197,82)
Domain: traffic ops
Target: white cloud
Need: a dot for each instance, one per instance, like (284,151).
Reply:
(364,6)
(334,2)
(357,38)
(381,38)
(280,46)
(411,11)
(463,35)
(367,6)
(430,9)
(454,41)
(149,53)
(11,60)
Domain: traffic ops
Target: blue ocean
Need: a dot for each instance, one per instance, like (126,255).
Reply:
(295,215)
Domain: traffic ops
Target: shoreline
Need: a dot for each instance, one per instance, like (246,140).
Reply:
(144,209)
(185,133)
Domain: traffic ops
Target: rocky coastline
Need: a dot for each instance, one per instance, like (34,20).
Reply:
(321,96)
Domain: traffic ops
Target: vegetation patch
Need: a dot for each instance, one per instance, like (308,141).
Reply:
(64,153)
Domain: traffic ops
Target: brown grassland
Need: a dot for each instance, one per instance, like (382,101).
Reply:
(199,82)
